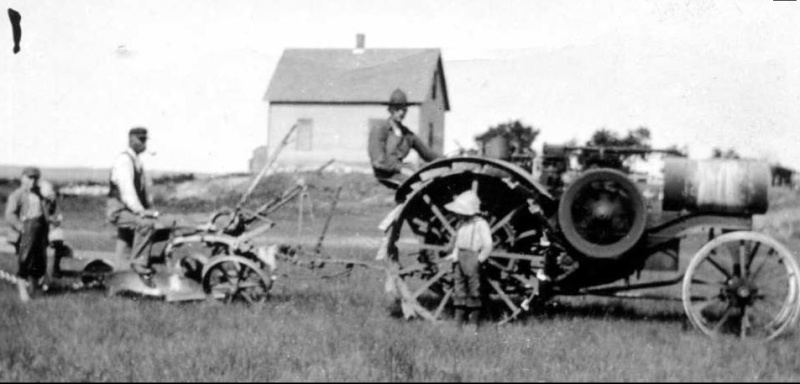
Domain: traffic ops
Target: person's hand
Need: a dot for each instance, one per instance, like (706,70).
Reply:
(56,220)
(453,256)
(406,171)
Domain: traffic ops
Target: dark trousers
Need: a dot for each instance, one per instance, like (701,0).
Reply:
(467,290)
(392,180)
(32,250)
(144,231)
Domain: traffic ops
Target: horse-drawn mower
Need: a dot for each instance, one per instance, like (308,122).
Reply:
(568,228)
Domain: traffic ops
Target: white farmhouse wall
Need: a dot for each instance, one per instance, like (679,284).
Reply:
(432,117)
(340,132)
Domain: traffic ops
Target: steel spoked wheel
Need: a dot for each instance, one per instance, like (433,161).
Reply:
(421,277)
(236,278)
(421,237)
(742,283)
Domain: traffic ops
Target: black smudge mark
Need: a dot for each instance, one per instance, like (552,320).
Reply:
(15,18)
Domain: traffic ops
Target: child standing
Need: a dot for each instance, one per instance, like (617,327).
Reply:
(473,244)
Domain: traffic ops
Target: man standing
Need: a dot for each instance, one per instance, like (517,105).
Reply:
(391,141)
(30,210)
(129,202)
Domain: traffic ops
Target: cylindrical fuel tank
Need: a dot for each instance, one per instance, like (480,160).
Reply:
(497,148)
(716,185)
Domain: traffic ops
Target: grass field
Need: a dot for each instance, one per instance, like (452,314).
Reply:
(347,329)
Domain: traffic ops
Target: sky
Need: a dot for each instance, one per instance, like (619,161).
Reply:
(699,74)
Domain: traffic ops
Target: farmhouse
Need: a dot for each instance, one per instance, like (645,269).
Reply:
(334,96)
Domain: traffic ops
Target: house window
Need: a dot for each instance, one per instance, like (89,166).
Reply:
(430,134)
(304,134)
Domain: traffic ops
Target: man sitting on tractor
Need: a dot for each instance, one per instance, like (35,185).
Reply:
(391,141)
(130,202)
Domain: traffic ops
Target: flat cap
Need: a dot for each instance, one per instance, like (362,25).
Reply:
(31,172)
(139,131)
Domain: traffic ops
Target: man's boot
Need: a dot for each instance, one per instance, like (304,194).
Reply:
(475,317)
(145,273)
(460,316)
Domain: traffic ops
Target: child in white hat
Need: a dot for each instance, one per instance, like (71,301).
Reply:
(473,244)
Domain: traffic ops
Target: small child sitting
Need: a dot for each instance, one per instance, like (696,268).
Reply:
(473,243)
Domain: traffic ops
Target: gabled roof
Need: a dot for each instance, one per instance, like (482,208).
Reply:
(344,76)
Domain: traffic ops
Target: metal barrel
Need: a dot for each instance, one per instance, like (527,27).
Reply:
(716,185)
(497,148)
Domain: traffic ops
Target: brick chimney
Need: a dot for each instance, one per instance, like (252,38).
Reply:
(359,44)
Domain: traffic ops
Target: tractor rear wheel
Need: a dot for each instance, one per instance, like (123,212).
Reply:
(422,235)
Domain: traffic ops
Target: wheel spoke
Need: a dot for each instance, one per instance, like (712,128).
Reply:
(439,215)
(443,303)
(741,261)
(724,319)
(766,260)
(744,323)
(505,220)
(225,287)
(428,284)
(246,297)
(752,256)
(718,267)
(249,284)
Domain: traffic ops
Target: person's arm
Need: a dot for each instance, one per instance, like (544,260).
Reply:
(377,150)
(148,190)
(484,234)
(123,176)
(425,152)
(12,211)
(49,198)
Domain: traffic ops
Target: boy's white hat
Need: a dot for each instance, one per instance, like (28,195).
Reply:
(466,203)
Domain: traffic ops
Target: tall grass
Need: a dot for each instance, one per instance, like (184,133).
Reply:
(347,329)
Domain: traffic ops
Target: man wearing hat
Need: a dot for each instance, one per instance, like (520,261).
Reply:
(30,209)
(129,201)
(391,141)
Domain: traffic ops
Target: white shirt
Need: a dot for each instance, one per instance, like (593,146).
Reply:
(475,235)
(122,175)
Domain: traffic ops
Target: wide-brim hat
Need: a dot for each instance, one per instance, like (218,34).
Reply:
(398,98)
(466,204)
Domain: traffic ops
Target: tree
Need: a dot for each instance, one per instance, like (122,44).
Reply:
(638,138)
(730,153)
(514,131)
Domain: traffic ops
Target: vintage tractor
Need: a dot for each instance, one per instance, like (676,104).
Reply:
(590,225)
